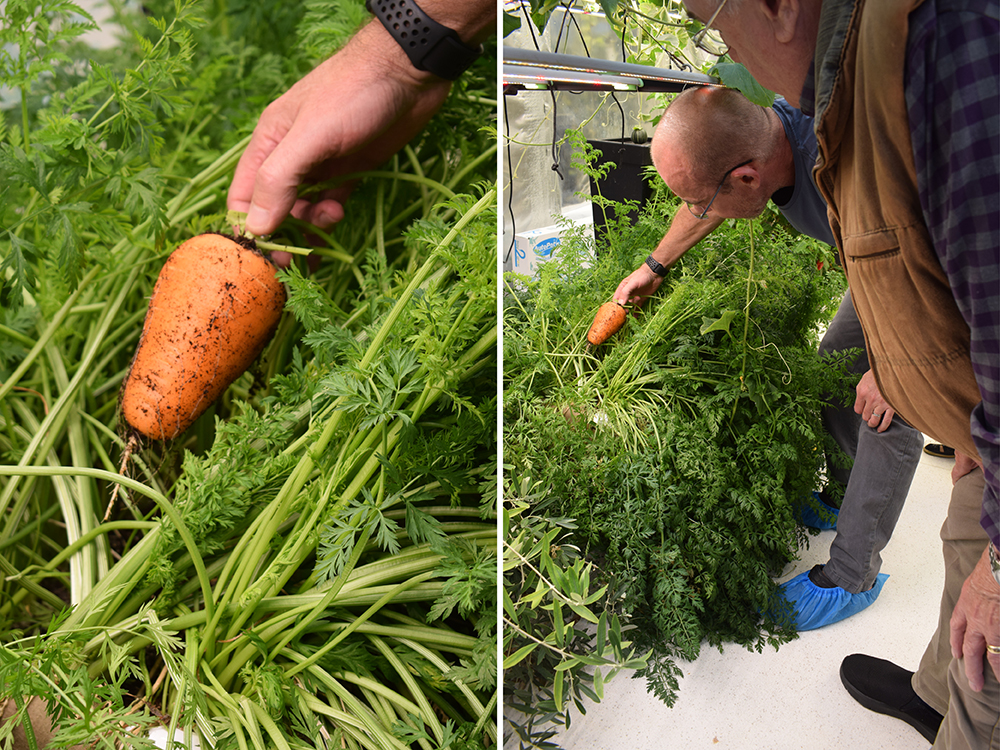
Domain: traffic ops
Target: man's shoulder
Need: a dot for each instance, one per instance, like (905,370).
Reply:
(788,113)
(798,126)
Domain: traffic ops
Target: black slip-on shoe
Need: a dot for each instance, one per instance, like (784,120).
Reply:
(941,451)
(885,688)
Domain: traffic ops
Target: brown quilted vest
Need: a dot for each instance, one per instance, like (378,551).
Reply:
(918,342)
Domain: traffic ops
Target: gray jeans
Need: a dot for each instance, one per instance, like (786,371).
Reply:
(878,482)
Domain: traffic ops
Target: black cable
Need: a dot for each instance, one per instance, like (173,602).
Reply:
(506,121)
(555,109)
(624,24)
(510,184)
(555,152)
(562,24)
(579,31)
(586,51)
(555,135)
(510,167)
(530,24)
(624,60)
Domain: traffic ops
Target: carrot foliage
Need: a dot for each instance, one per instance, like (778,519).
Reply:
(312,564)
(656,477)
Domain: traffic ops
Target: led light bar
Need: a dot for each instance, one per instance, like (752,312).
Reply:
(531,78)
(551,70)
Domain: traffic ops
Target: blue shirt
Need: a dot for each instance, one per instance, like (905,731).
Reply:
(806,209)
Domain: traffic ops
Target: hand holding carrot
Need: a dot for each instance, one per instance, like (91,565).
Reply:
(351,113)
(637,287)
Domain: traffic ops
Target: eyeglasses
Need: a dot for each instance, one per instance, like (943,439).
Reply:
(721,183)
(708,39)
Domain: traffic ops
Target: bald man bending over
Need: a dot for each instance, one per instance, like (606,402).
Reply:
(726,157)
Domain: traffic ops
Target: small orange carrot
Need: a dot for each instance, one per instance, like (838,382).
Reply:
(608,321)
(215,306)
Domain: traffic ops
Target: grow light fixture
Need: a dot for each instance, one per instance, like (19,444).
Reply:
(533,69)
(533,78)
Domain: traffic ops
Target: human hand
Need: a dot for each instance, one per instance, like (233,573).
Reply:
(975,622)
(350,114)
(871,406)
(963,465)
(639,285)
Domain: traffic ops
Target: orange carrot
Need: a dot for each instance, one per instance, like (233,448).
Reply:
(215,306)
(608,321)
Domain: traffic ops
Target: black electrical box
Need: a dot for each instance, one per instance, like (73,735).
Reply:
(626,181)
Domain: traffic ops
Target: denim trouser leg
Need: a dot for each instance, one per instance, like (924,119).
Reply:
(878,482)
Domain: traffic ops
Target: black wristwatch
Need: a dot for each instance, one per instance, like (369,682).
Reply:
(429,45)
(655,266)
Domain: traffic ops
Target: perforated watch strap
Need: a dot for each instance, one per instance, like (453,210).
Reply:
(429,45)
(655,266)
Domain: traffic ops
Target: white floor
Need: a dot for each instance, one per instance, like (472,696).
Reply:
(792,698)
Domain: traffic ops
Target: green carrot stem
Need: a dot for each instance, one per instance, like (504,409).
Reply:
(419,179)
(306,464)
(746,318)
(473,701)
(426,712)
(361,619)
(162,502)
(52,424)
(54,325)
(457,178)
(94,533)
(42,593)
(328,596)
(359,716)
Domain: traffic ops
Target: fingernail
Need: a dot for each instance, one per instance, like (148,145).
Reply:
(258,220)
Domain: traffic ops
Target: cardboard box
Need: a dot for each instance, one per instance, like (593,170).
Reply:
(533,247)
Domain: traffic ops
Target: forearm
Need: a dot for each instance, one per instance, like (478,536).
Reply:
(473,21)
(685,232)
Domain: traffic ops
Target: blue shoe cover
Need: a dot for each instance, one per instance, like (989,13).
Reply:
(816,514)
(810,606)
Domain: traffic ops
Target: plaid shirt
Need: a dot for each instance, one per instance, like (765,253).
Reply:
(953,99)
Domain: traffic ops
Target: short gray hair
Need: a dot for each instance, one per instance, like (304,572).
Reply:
(717,127)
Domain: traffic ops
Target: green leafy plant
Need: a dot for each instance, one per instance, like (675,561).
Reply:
(675,455)
(558,650)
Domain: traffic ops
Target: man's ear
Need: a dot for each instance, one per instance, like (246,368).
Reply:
(783,15)
(747,175)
